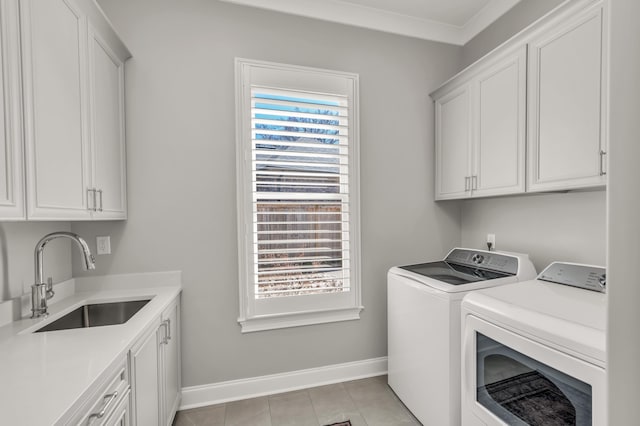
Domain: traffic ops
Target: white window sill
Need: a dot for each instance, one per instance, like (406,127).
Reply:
(272,322)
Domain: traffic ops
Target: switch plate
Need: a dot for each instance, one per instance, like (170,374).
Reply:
(103,245)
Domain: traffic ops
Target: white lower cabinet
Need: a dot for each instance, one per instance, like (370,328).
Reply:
(155,371)
(121,415)
(171,363)
(145,369)
(108,404)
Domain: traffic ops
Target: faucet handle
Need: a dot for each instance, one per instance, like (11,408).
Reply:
(50,292)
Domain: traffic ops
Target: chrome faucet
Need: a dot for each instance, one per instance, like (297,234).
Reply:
(41,291)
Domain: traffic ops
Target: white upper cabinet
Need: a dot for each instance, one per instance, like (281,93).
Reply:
(108,137)
(11,147)
(567,103)
(54,40)
(453,143)
(499,133)
(73,112)
(480,130)
(531,115)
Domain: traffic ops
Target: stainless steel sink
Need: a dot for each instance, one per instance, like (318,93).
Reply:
(97,315)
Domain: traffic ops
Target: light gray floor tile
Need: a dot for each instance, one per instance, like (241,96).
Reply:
(367,402)
(377,404)
(292,409)
(212,415)
(333,404)
(181,419)
(249,412)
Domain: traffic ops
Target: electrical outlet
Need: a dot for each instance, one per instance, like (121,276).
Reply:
(103,245)
(491,241)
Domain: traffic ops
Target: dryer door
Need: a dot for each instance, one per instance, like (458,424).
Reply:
(511,380)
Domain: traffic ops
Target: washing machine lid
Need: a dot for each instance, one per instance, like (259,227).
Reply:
(567,318)
(464,266)
(452,273)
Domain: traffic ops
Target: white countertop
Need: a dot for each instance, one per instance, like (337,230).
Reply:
(42,375)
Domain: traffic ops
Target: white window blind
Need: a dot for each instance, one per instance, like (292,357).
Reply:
(299,230)
(300,172)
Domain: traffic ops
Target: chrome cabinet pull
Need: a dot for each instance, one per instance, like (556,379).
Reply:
(95,200)
(474,182)
(165,339)
(169,329)
(466,183)
(602,160)
(100,192)
(112,397)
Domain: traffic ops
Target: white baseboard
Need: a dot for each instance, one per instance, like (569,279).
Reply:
(217,393)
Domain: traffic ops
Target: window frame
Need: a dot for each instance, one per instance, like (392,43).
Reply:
(291,311)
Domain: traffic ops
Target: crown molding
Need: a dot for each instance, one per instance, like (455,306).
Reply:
(365,17)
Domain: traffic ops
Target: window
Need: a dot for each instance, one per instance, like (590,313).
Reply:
(298,204)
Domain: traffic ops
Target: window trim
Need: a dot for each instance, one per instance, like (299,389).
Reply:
(248,319)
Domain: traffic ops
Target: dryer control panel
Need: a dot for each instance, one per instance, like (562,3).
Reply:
(583,276)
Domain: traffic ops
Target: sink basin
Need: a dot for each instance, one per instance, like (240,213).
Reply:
(97,315)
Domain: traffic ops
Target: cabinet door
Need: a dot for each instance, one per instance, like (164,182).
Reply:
(145,363)
(108,135)
(54,40)
(499,145)
(567,104)
(11,154)
(453,133)
(171,363)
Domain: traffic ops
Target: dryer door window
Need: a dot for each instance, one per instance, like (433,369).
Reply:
(522,391)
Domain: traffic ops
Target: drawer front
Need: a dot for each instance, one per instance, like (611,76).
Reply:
(104,401)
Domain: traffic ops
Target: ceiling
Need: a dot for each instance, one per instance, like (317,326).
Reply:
(448,21)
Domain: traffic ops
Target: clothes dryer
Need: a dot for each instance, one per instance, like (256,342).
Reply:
(535,351)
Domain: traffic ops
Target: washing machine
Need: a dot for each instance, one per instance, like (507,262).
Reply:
(534,353)
(423,311)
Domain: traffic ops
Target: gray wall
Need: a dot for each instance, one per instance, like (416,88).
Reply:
(181,171)
(565,226)
(17,242)
(624,227)
(516,19)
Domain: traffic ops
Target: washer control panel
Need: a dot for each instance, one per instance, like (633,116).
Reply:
(582,276)
(484,260)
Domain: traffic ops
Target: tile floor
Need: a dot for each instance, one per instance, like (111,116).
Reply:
(366,402)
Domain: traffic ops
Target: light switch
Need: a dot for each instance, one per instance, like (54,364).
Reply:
(103,244)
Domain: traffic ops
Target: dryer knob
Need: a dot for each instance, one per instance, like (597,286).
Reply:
(603,280)
(477,259)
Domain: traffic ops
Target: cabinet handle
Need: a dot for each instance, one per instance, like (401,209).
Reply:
(165,340)
(112,397)
(100,192)
(95,200)
(602,155)
(169,329)
(466,183)
(474,182)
